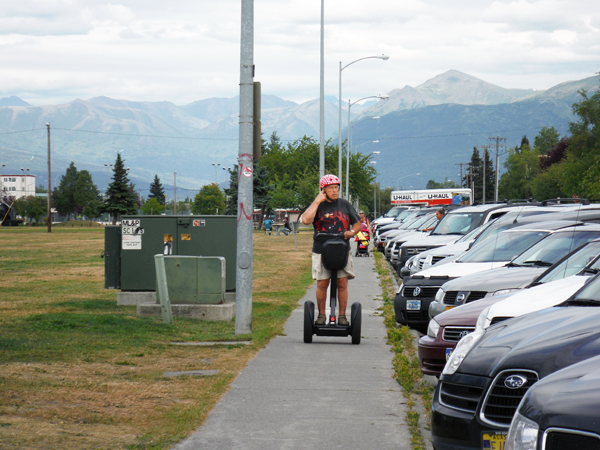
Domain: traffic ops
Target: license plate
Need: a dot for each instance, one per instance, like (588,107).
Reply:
(449,307)
(413,305)
(448,353)
(493,441)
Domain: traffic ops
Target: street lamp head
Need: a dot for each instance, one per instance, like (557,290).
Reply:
(384,57)
(373,162)
(376,142)
(383,97)
(376,118)
(376,153)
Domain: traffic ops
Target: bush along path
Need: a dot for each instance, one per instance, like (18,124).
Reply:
(407,372)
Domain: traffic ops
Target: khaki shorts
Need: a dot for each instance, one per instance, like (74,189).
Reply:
(321,273)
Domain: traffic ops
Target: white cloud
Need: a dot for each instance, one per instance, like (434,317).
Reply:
(181,51)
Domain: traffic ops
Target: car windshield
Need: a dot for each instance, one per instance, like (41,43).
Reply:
(589,295)
(404,215)
(409,224)
(431,220)
(418,223)
(395,211)
(574,263)
(458,223)
(503,247)
(475,233)
(554,247)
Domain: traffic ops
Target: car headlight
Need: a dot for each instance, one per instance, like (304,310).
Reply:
(504,291)
(433,328)
(481,320)
(523,434)
(439,295)
(461,350)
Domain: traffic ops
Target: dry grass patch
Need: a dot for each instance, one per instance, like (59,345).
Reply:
(78,372)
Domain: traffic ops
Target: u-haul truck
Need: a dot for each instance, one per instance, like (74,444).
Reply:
(432,197)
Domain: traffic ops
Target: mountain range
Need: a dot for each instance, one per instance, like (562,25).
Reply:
(429,129)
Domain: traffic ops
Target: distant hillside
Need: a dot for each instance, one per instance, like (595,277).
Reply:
(13,101)
(428,129)
(450,87)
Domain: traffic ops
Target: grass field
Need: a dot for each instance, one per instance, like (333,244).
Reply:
(79,372)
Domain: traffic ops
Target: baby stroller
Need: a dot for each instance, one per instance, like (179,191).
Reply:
(362,241)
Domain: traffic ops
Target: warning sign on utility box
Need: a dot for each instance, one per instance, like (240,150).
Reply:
(131,234)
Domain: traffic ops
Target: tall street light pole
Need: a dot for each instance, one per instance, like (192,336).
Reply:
(49,184)
(322,97)
(383,57)
(348,165)
(349,146)
(374,193)
(174,193)
(406,176)
(216,166)
(350,103)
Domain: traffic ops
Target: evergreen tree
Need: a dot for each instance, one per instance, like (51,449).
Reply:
(119,198)
(157,191)
(490,177)
(232,193)
(75,191)
(63,195)
(473,178)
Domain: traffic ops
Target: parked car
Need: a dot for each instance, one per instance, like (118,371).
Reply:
(554,286)
(562,411)
(413,221)
(453,225)
(415,229)
(520,216)
(517,274)
(489,373)
(411,304)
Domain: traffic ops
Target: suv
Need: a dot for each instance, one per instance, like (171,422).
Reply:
(519,273)
(490,372)
(457,223)
(411,304)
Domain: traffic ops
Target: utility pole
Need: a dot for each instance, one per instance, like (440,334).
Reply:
(497,139)
(322,98)
(49,183)
(243,287)
(484,147)
(461,171)
(175,193)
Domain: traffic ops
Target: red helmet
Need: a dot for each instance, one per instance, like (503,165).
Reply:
(328,180)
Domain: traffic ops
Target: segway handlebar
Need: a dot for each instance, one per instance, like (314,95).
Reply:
(331,235)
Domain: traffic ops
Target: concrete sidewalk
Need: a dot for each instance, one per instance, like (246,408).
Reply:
(328,394)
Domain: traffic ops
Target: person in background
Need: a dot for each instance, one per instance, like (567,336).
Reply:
(286,226)
(268,223)
(439,214)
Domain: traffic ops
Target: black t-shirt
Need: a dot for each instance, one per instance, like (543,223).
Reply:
(335,217)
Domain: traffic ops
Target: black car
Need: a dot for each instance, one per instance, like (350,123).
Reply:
(490,372)
(561,411)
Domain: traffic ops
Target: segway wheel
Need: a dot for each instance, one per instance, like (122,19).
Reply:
(356,316)
(309,320)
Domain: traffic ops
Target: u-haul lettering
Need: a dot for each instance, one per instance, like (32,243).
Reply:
(432,197)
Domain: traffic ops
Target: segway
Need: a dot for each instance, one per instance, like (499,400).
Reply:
(335,257)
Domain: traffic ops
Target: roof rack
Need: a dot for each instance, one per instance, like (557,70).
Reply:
(560,201)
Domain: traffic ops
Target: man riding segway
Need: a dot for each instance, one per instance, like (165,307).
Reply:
(330,214)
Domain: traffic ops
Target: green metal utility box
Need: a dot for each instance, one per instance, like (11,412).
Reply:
(195,279)
(142,237)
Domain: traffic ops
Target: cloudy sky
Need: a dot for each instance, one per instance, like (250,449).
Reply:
(54,51)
